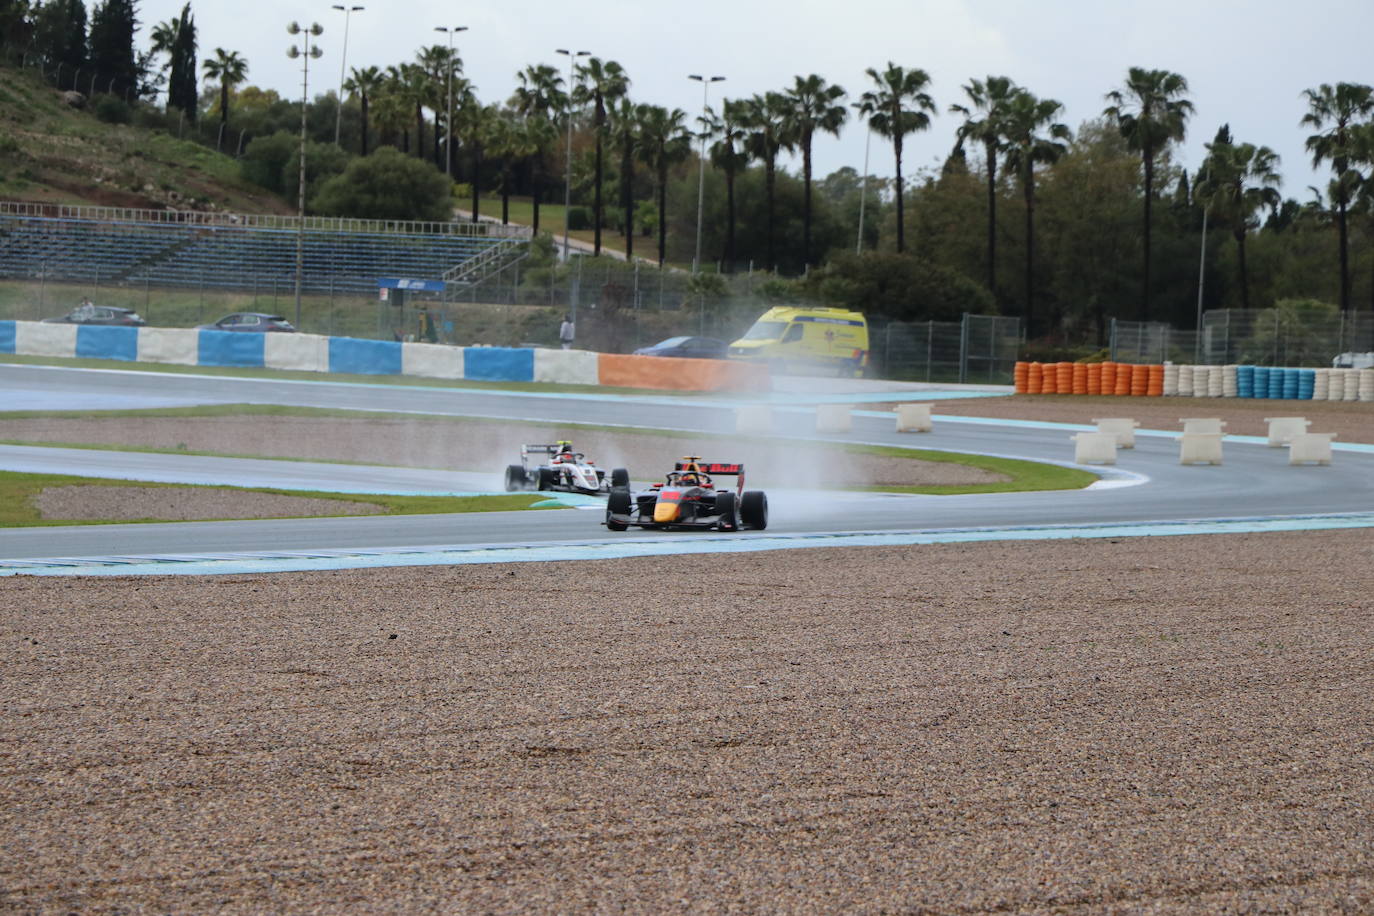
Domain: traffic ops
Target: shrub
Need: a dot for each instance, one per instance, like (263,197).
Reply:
(579,218)
(112,109)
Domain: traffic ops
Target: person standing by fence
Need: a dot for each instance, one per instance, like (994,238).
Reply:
(566,332)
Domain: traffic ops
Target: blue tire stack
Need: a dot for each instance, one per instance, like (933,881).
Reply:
(1261,381)
(1245,381)
(1275,384)
(1307,382)
(1290,384)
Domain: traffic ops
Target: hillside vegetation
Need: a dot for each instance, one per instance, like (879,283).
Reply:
(52,152)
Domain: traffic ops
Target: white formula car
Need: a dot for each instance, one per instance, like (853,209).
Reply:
(565,470)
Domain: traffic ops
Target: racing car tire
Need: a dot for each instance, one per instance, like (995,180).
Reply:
(753,509)
(620,477)
(618,503)
(728,509)
(516,478)
(547,478)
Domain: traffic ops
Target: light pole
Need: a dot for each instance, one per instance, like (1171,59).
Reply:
(567,180)
(448,121)
(343,62)
(863,111)
(701,171)
(304,51)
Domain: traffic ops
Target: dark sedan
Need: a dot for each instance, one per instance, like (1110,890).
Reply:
(252,322)
(689,347)
(99,314)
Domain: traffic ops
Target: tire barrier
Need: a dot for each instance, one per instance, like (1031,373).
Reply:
(314,353)
(1171,380)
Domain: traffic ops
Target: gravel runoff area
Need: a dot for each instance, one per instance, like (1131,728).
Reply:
(1136,725)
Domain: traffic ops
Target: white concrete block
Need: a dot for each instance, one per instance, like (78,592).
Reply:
(754,418)
(301,352)
(913,418)
(1202,425)
(1090,448)
(169,345)
(1196,448)
(565,367)
(1122,427)
(1305,447)
(430,360)
(1282,429)
(34,338)
(834,418)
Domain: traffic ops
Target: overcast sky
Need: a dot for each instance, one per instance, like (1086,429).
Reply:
(1246,61)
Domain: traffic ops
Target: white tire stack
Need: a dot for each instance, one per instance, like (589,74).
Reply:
(1229,387)
(1321,385)
(1185,381)
(1171,371)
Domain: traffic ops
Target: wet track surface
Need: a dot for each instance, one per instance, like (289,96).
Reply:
(1254,482)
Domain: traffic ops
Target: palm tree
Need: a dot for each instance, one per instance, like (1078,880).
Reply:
(601,83)
(813,104)
(364,84)
(539,94)
(664,142)
(888,114)
(765,117)
(728,155)
(441,67)
(1337,111)
(1150,114)
(989,98)
(625,133)
(418,90)
(1236,182)
(1024,118)
(479,129)
(391,111)
(229,69)
(510,141)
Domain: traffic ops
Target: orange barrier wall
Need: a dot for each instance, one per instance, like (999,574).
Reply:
(673,374)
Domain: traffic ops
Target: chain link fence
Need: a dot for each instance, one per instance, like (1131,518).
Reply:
(1290,335)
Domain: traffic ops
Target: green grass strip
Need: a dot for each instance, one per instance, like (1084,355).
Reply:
(18,491)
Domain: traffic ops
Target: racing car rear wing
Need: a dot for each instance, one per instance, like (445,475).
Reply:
(709,467)
(541,449)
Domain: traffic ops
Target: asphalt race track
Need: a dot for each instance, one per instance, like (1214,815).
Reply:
(1147,492)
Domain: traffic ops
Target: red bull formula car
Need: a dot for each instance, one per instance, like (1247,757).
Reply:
(566,470)
(689,498)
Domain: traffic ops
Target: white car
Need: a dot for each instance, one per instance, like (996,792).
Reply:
(566,470)
(1353,361)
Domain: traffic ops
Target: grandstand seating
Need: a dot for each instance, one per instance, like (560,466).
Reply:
(224,256)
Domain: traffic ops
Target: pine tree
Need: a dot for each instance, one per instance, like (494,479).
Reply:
(182,91)
(112,44)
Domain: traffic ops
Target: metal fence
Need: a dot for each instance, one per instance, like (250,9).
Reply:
(1292,334)
(978,349)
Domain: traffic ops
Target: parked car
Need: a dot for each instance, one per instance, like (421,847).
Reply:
(252,322)
(1353,361)
(99,314)
(689,347)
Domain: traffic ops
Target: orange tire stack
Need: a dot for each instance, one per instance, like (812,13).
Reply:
(1050,372)
(1124,373)
(1094,378)
(1064,378)
(1035,379)
(1156,386)
(1080,378)
(1108,378)
(1019,374)
(1140,381)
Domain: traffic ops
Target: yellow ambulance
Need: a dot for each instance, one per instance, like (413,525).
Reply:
(793,339)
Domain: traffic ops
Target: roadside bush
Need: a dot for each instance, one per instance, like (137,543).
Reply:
(579,218)
(112,109)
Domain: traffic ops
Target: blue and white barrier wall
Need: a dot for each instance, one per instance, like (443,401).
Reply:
(313,353)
